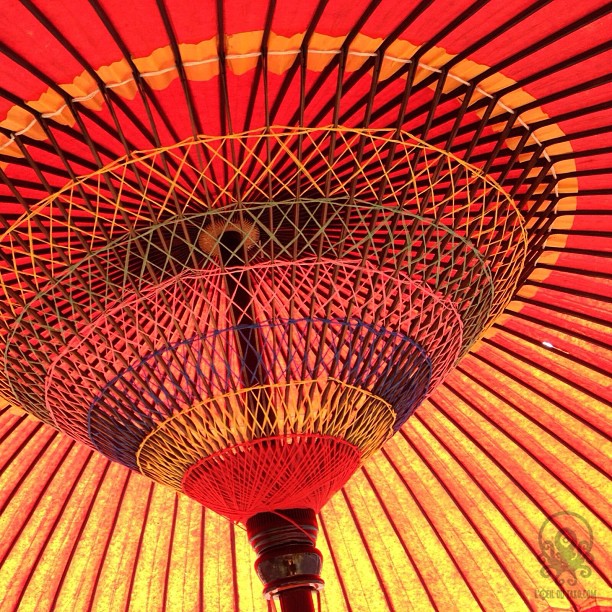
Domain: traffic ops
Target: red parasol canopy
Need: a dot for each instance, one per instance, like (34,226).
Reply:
(470,139)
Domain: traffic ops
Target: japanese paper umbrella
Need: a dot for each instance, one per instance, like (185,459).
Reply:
(241,243)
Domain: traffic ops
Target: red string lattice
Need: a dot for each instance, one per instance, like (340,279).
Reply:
(274,473)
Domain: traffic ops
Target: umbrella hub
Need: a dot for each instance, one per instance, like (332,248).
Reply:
(288,563)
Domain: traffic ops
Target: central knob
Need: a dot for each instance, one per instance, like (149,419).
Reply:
(229,239)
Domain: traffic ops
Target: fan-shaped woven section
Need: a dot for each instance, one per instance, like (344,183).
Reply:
(380,198)
(326,407)
(272,474)
(190,342)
